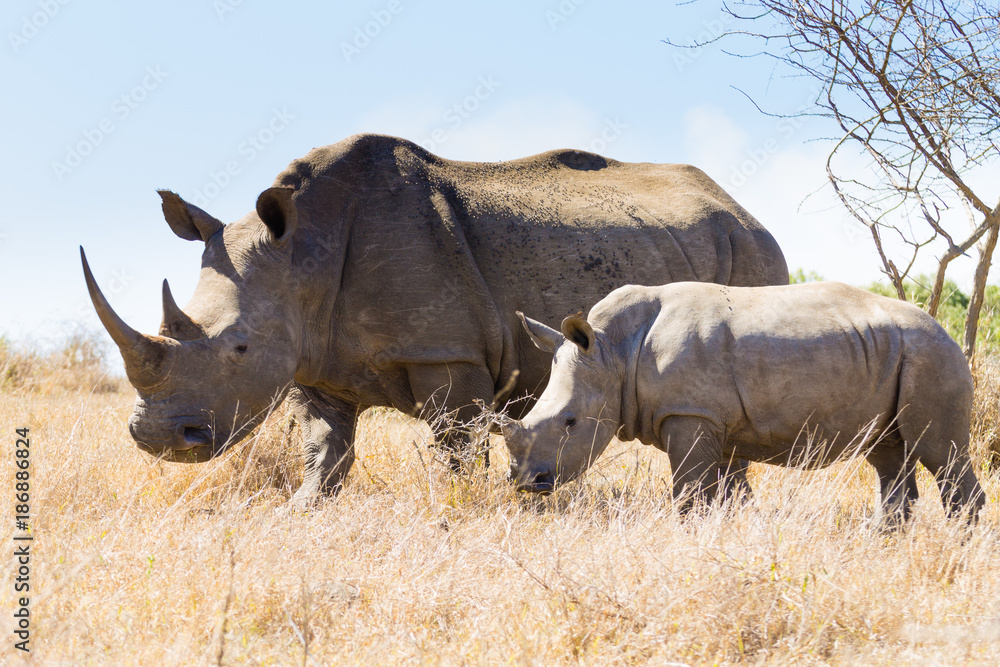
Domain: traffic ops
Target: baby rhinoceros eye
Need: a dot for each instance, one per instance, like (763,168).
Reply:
(240,346)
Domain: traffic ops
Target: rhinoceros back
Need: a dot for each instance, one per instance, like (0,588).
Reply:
(435,256)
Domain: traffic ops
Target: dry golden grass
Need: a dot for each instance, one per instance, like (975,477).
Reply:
(78,363)
(138,562)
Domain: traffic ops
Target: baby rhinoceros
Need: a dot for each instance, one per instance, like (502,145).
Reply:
(787,375)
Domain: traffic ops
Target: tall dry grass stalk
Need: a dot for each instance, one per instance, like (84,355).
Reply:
(986,411)
(139,562)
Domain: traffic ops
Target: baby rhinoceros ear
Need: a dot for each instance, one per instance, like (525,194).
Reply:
(545,338)
(578,330)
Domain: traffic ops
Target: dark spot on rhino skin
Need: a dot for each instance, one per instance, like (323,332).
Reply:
(582,161)
(592,263)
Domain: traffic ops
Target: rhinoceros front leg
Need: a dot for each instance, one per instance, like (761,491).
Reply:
(328,442)
(447,395)
(694,450)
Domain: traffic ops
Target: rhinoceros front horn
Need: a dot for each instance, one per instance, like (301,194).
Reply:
(144,355)
(511,429)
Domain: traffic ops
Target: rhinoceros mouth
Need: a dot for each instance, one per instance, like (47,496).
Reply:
(197,436)
(196,454)
(542,482)
(187,441)
(182,454)
(541,488)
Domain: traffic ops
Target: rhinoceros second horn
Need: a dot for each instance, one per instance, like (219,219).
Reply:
(176,322)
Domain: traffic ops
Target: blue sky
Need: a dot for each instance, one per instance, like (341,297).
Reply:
(107,102)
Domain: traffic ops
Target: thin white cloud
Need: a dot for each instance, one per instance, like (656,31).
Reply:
(713,142)
(523,127)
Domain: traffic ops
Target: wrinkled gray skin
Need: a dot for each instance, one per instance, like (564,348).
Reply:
(376,274)
(784,375)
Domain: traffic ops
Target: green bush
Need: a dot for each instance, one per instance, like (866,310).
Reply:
(802,276)
(951,311)
(953,308)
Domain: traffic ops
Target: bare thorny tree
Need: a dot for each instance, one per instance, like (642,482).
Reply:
(914,86)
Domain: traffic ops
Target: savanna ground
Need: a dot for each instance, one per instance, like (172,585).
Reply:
(140,562)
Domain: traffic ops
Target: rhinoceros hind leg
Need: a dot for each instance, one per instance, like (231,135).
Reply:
(694,450)
(328,442)
(961,493)
(941,444)
(897,474)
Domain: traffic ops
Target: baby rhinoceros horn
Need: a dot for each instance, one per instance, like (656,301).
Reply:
(144,355)
(511,429)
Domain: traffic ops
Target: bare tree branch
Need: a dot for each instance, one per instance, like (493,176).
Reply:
(915,86)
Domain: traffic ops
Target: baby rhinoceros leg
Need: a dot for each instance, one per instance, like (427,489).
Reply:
(694,449)
(951,466)
(897,473)
(934,417)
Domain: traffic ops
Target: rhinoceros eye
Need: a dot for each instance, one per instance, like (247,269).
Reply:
(570,422)
(240,345)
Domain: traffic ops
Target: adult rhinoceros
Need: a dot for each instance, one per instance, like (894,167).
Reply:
(374,273)
(800,374)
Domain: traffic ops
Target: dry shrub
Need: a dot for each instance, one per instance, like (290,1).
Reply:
(142,562)
(78,364)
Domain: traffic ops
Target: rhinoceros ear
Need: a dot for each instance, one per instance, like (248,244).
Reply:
(277,211)
(579,331)
(545,338)
(187,220)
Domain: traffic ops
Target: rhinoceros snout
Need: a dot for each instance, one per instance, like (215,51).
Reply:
(183,440)
(534,481)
